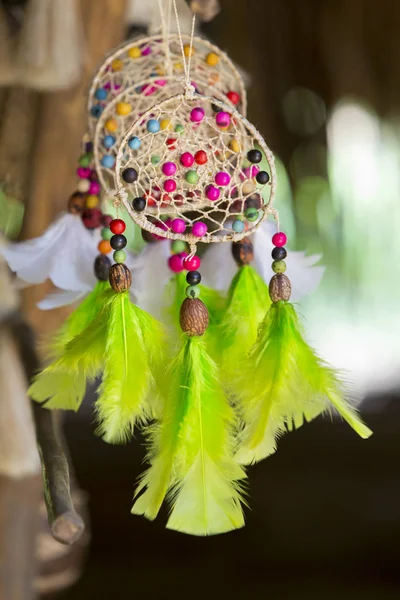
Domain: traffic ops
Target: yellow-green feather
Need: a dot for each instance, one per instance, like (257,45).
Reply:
(191,451)
(283,384)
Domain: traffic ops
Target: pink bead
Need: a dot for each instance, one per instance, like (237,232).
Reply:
(222,178)
(178,225)
(197,115)
(191,264)
(175,262)
(146,51)
(251,171)
(212,193)
(199,229)
(169,185)
(169,169)
(279,239)
(94,188)
(187,159)
(148,89)
(223,119)
(160,82)
(83,173)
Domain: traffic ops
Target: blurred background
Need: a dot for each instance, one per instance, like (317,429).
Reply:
(324,90)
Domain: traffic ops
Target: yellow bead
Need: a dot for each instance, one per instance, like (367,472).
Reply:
(92,201)
(212,59)
(123,108)
(111,125)
(188,50)
(234,146)
(248,187)
(134,52)
(178,66)
(117,64)
(159,70)
(165,124)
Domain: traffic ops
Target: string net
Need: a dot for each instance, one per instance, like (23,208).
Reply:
(197,171)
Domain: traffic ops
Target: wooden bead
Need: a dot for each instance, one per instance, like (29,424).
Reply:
(102,266)
(243,252)
(148,237)
(76,203)
(193,317)
(280,288)
(120,278)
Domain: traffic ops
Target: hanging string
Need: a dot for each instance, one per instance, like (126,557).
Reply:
(189,88)
(165,31)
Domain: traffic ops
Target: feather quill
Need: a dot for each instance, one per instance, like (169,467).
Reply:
(191,450)
(289,384)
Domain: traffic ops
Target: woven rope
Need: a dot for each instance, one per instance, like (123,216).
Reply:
(218,145)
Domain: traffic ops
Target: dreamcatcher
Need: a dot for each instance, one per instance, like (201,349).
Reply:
(193,173)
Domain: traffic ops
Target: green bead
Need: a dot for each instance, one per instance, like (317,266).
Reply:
(192,177)
(85,160)
(106,234)
(238,226)
(251,214)
(155,160)
(119,256)
(279,266)
(179,128)
(178,246)
(193,291)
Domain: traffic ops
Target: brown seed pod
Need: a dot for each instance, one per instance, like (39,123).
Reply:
(102,266)
(243,252)
(76,203)
(193,317)
(120,278)
(280,288)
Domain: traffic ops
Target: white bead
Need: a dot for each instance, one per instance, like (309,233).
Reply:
(83,186)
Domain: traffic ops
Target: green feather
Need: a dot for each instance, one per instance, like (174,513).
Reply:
(283,384)
(191,451)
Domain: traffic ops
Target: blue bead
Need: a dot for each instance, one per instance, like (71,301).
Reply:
(238,226)
(109,141)
(101,94)
(134,143)
(153,126)
(108,161)
(96,111)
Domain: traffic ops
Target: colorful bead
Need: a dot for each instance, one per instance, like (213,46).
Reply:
(165,124)
(212,59)
(279,266)
(106,220)
(104,247)
(212,193)
(92,201)
(262,177)
(111,125)
(117,64)
(107,161)
(96,111)
(134,52)
(193,277)
(169,169)
(123,108)
(199,229)
(238,226)
(92,218)
(251,214)
(222,178)
(279,239)
(118,242)
(109,141)
(197,114)
(129,175)
(139,204)
(83,186)
(192,291)
(179,128)
(279,253)
(153,126)
(106,234)
(187,159)
(178,246)
(117,226)
(191,177)
(94,188)
(175,262)
(234,97)
(134,143)
(146,51)
(85,160)
(178,225)
(248,187)
(254,156)
(169,185)
(171,143)
(223,119)
(101,94)
(201,157)
(188,50)
(155,159)
(191,264)
(83,173)
(234,146)
(119,256)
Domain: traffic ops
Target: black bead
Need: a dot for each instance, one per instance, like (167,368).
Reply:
(279,253)
(139,204)
(215,108)
(118,242)
(254,156)
(262,177)
(193,277)
(253,201)
(129,175)
(102,266)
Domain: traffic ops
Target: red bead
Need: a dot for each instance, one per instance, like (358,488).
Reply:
(106,220)
(117,226)
(279,239)
(171,143)
(92,218)
(192,264)
(233,97)
(175,262)
(201,157)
